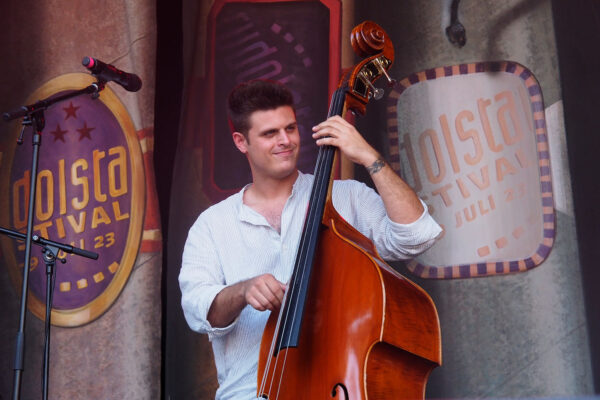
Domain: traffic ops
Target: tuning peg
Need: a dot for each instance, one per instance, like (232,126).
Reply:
(391,81)
(375,92)
(382,69)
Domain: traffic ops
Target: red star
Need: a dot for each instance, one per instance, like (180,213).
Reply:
(71,110)
(59,134)
(85,132)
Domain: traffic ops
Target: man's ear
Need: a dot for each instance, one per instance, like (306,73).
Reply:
(240,141)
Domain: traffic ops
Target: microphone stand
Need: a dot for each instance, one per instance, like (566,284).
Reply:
(33,115)
(50,250)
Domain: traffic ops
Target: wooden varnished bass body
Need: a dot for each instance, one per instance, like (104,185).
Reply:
(366,332)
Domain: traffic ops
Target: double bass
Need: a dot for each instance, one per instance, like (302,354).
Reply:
(350,326)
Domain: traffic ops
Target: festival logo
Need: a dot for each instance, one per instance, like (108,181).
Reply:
(471,140)
(90,194)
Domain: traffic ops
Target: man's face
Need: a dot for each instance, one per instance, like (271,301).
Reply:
(273,143)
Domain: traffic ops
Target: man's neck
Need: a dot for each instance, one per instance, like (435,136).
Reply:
(267,189)
(268,198)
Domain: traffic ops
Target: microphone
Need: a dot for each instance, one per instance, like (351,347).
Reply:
(107,73)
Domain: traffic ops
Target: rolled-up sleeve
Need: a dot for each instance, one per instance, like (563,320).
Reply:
(364,209)
(412,239)
(201,279)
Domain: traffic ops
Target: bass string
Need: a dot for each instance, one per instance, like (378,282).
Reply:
(301,273)
(321,186)
(324,162)
(294,287)
(284,316)
(272,349)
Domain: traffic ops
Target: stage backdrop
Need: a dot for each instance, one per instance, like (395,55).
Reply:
(294,42)
(95,191)
(469,129)
(508,290)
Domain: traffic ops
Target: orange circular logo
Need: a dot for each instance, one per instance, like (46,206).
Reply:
(90,194)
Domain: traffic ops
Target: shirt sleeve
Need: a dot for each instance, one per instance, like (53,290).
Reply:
(363,208)
(201,279)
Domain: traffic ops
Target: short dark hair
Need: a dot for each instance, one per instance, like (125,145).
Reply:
(255,95)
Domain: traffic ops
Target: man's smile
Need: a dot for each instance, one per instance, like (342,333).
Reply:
(285,152)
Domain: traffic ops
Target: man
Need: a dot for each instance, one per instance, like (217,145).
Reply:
(240,252)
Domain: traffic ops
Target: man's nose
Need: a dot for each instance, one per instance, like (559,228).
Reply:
(284,137)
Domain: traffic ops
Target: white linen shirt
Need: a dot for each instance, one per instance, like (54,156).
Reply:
(230,242)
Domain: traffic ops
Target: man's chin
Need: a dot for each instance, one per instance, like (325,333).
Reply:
(287,172)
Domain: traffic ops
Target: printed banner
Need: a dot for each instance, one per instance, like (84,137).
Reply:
(90,194)
(471,140)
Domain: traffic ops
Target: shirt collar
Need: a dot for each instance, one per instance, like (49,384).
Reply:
(247,214)
(300,182)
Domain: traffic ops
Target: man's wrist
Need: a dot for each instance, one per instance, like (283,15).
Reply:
(376,166)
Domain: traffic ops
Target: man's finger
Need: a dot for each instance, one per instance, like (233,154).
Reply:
(259,301)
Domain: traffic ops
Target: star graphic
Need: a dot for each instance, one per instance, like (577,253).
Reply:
(71,110)
(59,134)
(85,132)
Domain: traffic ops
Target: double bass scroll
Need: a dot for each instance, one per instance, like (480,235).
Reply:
(350,326)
